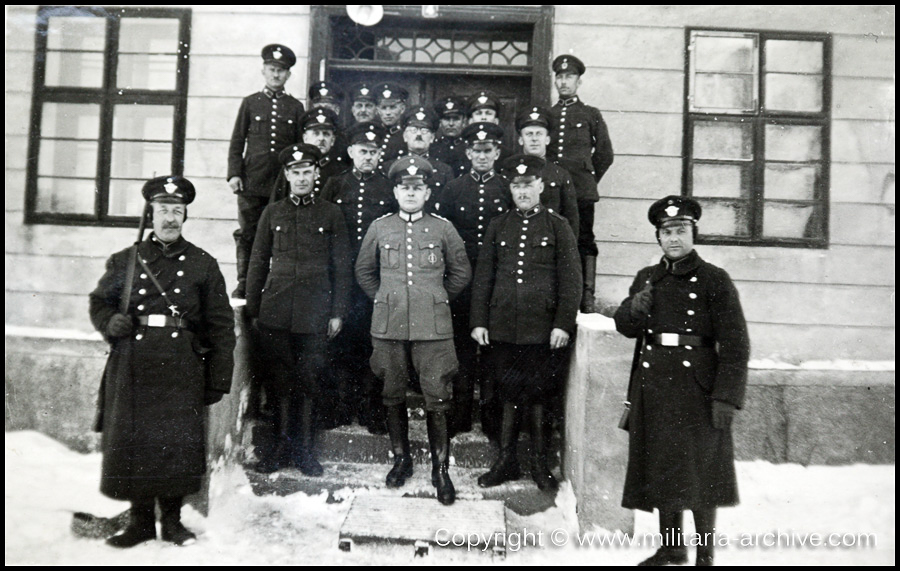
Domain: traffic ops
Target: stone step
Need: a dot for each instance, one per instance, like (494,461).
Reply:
(343,480)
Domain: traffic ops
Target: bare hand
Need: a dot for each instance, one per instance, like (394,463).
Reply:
(236,184)
(334,327)
(481,336)
(558,339)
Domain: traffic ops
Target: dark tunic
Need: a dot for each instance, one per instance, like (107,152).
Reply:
(581,145)
(470,202)
(153,440)
(559,194)
(677,460)
(452,152)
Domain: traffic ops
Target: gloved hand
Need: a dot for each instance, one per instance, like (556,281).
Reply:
(212,397)
(640,303)
(722,414)
(119,325)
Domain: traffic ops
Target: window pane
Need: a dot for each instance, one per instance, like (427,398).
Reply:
(70,121)
(125,197)
(724,181)
(786,92)
(717,53)
(142,71)
(74,69)
(143,122)
(791,221)
(789,55)
(725,218)
(793,143)
(791,182)
(720,91)
(141,160)
(65,195)
(68,158)
(148,35)
(725,140)
(87,33)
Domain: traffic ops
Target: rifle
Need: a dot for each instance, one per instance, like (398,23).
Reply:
(132,261)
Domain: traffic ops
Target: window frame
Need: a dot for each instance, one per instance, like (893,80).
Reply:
(759,119)
(107,96)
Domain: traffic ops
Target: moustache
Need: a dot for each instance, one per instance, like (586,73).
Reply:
(171,226)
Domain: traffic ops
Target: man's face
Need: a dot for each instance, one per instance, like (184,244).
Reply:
(526,192)
(390,112)
(276,76)
(484,115)
(676,239)
(412,195)
(362,110)
(534,140)
(452,126)
(418,139)
(322,138)
(567,83)
(483,155)
(168,220)
(326,104)
(365,157)
(302,178)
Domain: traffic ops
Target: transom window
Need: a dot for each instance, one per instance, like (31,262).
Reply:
(108,110)
(757,136)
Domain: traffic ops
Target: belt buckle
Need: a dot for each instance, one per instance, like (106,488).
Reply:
(156,320)
(668,339)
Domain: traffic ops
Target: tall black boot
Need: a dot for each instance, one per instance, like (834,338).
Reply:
(540,450)
(705,522)
(589,278)
(305,455)
(398,428)
(376,423)
(506,467)
(439,442)
(170,518)
(673,550)
(242,259)
(141,528)
(279,455)
(491,409)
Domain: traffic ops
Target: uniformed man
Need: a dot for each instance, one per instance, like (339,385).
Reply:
(327,95)
(534,126)
(297,293)
(581,145)
(267,122)
(688,379)
(470,203)
(485,107)
(320,130)
(411,264)
(363,194)
(525,297)
(171,353)
(362,103)
(390,105)
(449,147)
(418,125)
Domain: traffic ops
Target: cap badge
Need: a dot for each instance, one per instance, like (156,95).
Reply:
(522,168)
(370,135)
(482,99)
(481,135)
(672,211)
(323,92)
(364,90)
(297,155)
(412,170)
(564,65)
(386,93)
(535,116)
(321,118)
(420,116)
(277,53)
(170,186)
(449,105)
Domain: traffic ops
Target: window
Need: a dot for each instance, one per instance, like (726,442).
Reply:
(110,94)
(757,136)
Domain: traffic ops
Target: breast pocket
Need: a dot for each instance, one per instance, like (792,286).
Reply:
(390,255)
(257,124)
(543,249)
(319,238)
(280,239)
(430,255)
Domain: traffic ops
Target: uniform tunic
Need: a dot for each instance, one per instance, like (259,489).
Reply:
(581,145)
(559,194)
(390,147)
(151,405)
(471,202)
(452,152)
(677,460)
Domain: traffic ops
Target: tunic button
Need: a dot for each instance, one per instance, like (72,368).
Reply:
(138,336)
(525,222)
(646,365)
(688,347)
(410,283)
(519,280)
(177,290)
(692,295)
(180,258)
(688,330)
(694,279)
(143,276)
(686,363)
(480,227)
(140,308)
(521,253)
(649,347)
(142,291)
(690,312)
(409,256)
(174,334)
(408,265)
(523,236)
(519,271)
(522,245)
(521,263)
(409,274)
(650,331)
(179,273)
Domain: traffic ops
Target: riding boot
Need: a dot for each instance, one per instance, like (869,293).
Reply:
(673,550)
(170,518)
(705,522)
(141,528)
(589,277)
(506,467)
(305,458)
(242,258)
(376,423)
(491,409)
(540,450)
(439,442)
(398,428)
(279,455)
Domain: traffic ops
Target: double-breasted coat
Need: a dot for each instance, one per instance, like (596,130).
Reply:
(677,460)
(152,396)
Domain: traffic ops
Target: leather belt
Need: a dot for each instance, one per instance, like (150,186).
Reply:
(160,320)
(676,340)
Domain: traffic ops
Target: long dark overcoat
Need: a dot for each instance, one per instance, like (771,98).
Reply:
(151,406)
(676,459)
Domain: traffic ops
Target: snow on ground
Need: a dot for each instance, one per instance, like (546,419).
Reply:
(46,483)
